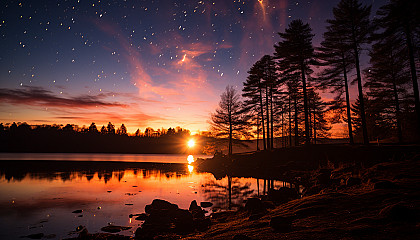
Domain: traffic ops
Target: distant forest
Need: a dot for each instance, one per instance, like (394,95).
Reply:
(281,95)
(70,138)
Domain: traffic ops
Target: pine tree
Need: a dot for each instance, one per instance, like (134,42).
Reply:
(253,92)
(386,78)
(351,19)
(337,59)
(320,126)
(401,19)
(296,53)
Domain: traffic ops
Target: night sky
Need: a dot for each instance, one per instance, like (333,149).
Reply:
(141,63)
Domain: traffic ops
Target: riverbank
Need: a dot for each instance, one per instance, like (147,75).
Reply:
(351,192)
(374,200)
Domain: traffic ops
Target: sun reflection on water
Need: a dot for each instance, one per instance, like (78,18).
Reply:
(190,159)
(190,168)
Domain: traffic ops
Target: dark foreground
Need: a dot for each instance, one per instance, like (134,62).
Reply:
(349,198)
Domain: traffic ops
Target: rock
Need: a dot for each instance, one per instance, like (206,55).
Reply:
(400,213)
(196,210)
(241,237)
(384,184)
(353,181)
(281,224)
(206,204)
(254,205)
(114,228)
(183,221)
(129,204)
(163,217)
(77,211)
(194,206)
(158,205)
(142,216)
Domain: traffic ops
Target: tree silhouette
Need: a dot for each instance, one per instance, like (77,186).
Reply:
(103,130)
(110,128)
(386,78)
(337,59)
(122,130)
(320,126)
(253,92)
(351,19)
(229,119)
(93,128)
(401,19)
(260,90)
(296,53)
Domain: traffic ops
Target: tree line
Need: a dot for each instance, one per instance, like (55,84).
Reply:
(23,137)
(281,93)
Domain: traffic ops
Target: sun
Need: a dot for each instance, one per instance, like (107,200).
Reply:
(191,143)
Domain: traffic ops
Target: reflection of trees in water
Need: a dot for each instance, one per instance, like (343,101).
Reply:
(226,193)
(70,171)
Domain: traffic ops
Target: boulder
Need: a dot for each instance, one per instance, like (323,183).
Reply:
(183,221)
(194,206)
(206,204)
(142,216)
(197,211)
(159,204)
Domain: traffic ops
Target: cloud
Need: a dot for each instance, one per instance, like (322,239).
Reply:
(38,96)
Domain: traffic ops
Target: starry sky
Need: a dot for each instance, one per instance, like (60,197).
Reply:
(144,63)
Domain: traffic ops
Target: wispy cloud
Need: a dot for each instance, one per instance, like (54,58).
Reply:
(38,96)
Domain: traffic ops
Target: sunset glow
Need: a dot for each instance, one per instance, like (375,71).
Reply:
(191,143)
(141,64)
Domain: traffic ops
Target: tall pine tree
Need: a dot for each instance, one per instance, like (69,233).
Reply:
(351,19)
(401,19)
(296,54)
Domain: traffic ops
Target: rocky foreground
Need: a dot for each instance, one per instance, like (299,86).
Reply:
(380,200)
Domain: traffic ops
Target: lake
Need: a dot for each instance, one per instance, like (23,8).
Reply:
(40,192)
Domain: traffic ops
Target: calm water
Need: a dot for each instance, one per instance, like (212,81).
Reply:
(161,158)
(40,196)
